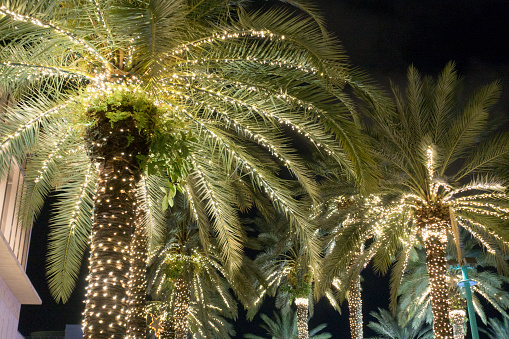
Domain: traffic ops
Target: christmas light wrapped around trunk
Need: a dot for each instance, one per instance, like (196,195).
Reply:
(137,286)
(115,146)
(181,312)
(458,319)
(432,219)
(168,331)
(302,317)
(355,309)
(110,240)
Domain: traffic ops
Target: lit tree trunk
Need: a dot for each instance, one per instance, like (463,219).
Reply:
(115,148)
(355,309)
(137,285)
(168,331)
(302,317)
(458,320)
(181,309)
(435,240)
(106,298)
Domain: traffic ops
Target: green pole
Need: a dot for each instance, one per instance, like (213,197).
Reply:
(468,294)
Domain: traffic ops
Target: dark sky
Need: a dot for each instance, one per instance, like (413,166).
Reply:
(382,37)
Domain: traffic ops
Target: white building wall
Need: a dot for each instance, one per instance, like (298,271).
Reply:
(9,313)
(15,287)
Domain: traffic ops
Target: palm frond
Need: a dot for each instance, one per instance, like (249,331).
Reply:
(469,125)
(46,169)
(149,194)
(153,29)
(20,128)
(29,28)
(69,233)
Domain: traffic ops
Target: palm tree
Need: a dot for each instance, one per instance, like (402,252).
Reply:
(190,279)
(284,326)
(193,90)
(344,205)
(337,212)
(439,157)
(498,329)
(388,327)
(287,269)
(415,294)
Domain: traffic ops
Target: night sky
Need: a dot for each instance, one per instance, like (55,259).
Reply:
(382,37)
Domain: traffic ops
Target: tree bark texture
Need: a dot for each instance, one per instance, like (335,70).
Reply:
(106,298)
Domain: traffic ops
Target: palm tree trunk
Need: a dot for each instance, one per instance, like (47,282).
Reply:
(168,331)
(181,313)
(435,240)
(137,285)
(355,309)
(106,299)
(302,317)
(458,320)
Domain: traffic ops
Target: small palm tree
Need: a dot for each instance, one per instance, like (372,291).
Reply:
(387,327)
(288,274)
(336,214)
(439,158)
(203,92)
(284,326)
(193,285)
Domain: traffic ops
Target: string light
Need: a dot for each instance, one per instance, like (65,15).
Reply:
(51,156)
(30,125)
(458,320)
(355,308)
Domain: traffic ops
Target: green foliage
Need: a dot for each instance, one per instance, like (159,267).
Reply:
(178,265)
(113,102)
(387,327)
(298,285)
(499,329)
(169,139)
(170,156)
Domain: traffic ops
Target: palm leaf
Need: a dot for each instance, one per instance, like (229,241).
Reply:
(69,233)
